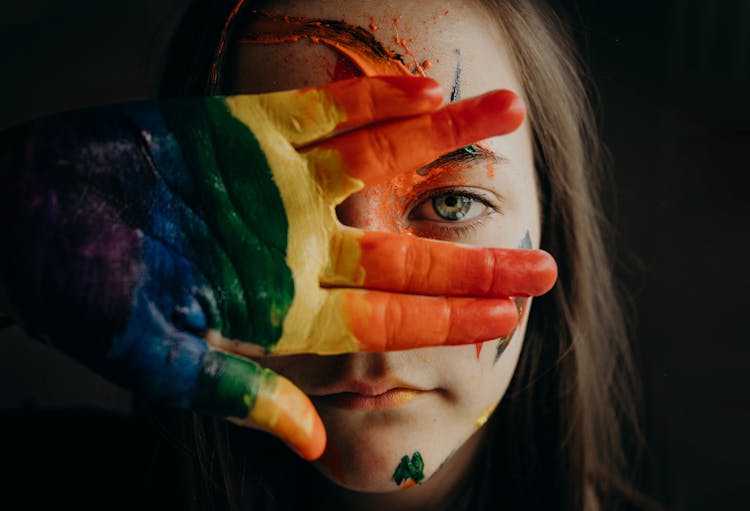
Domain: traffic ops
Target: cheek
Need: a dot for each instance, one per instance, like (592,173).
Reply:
(482,386)
(517,184)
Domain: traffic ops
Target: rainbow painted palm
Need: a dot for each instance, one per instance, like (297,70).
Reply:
(160,241)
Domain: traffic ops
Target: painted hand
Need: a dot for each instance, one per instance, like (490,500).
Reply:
(158,242)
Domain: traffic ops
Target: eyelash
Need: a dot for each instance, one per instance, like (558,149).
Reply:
(458,230)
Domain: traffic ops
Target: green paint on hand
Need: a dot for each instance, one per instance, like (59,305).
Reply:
(228,385)
(409,469)
(243,252)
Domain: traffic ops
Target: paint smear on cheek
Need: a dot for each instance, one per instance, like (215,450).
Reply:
(479,349)
(521,305)
(485,415)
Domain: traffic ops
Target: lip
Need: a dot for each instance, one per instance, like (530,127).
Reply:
(392,398)
(358,395)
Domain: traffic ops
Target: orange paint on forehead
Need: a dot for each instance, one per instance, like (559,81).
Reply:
(401,42)
(358,52)
(356,43)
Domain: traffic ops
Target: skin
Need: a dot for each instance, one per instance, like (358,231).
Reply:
(456,389)
(177,204)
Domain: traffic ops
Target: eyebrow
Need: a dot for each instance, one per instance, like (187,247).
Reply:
(469,154)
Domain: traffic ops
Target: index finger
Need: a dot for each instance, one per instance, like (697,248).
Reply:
(389,149)
(307,115)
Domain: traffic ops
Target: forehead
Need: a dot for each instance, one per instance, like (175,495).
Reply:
(456,43)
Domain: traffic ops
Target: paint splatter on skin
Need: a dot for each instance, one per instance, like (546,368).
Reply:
(456,89)
(409,471)
(520,303)
(150,238)
(485,415)
(400,41)
(168,237)
(371,58)
(525,243)
(356,43)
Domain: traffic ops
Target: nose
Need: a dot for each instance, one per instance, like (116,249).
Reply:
(373,209)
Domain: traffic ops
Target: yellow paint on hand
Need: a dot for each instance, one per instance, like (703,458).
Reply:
(335,184)
(300,116)
(344,267)
(314,322)
(284,410)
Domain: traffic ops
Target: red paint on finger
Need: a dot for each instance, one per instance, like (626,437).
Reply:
(314,446)
(409,264)
(364,100)
(395,148)
(388,321)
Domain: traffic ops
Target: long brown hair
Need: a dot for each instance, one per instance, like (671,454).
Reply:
(559,436)
(587,370)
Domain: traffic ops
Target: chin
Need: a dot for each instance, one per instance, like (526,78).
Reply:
(363,456)
(362,474)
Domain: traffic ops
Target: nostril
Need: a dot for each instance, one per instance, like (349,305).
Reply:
(190,316)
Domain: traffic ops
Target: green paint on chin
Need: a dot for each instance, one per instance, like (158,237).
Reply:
(243,254)
(409,469)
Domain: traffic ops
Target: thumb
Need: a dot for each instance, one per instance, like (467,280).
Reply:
(252,396)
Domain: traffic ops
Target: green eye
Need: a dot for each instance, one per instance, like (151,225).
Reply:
(448,206)
(452,206)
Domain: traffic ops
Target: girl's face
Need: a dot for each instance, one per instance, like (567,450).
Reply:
(382,409)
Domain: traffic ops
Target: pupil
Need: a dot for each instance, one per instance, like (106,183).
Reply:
(451,206)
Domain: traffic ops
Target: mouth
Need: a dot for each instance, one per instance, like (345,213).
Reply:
(369,396)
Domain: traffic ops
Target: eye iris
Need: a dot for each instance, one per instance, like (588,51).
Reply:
(452,206)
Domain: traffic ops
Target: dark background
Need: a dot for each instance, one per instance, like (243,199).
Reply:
(673,81)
